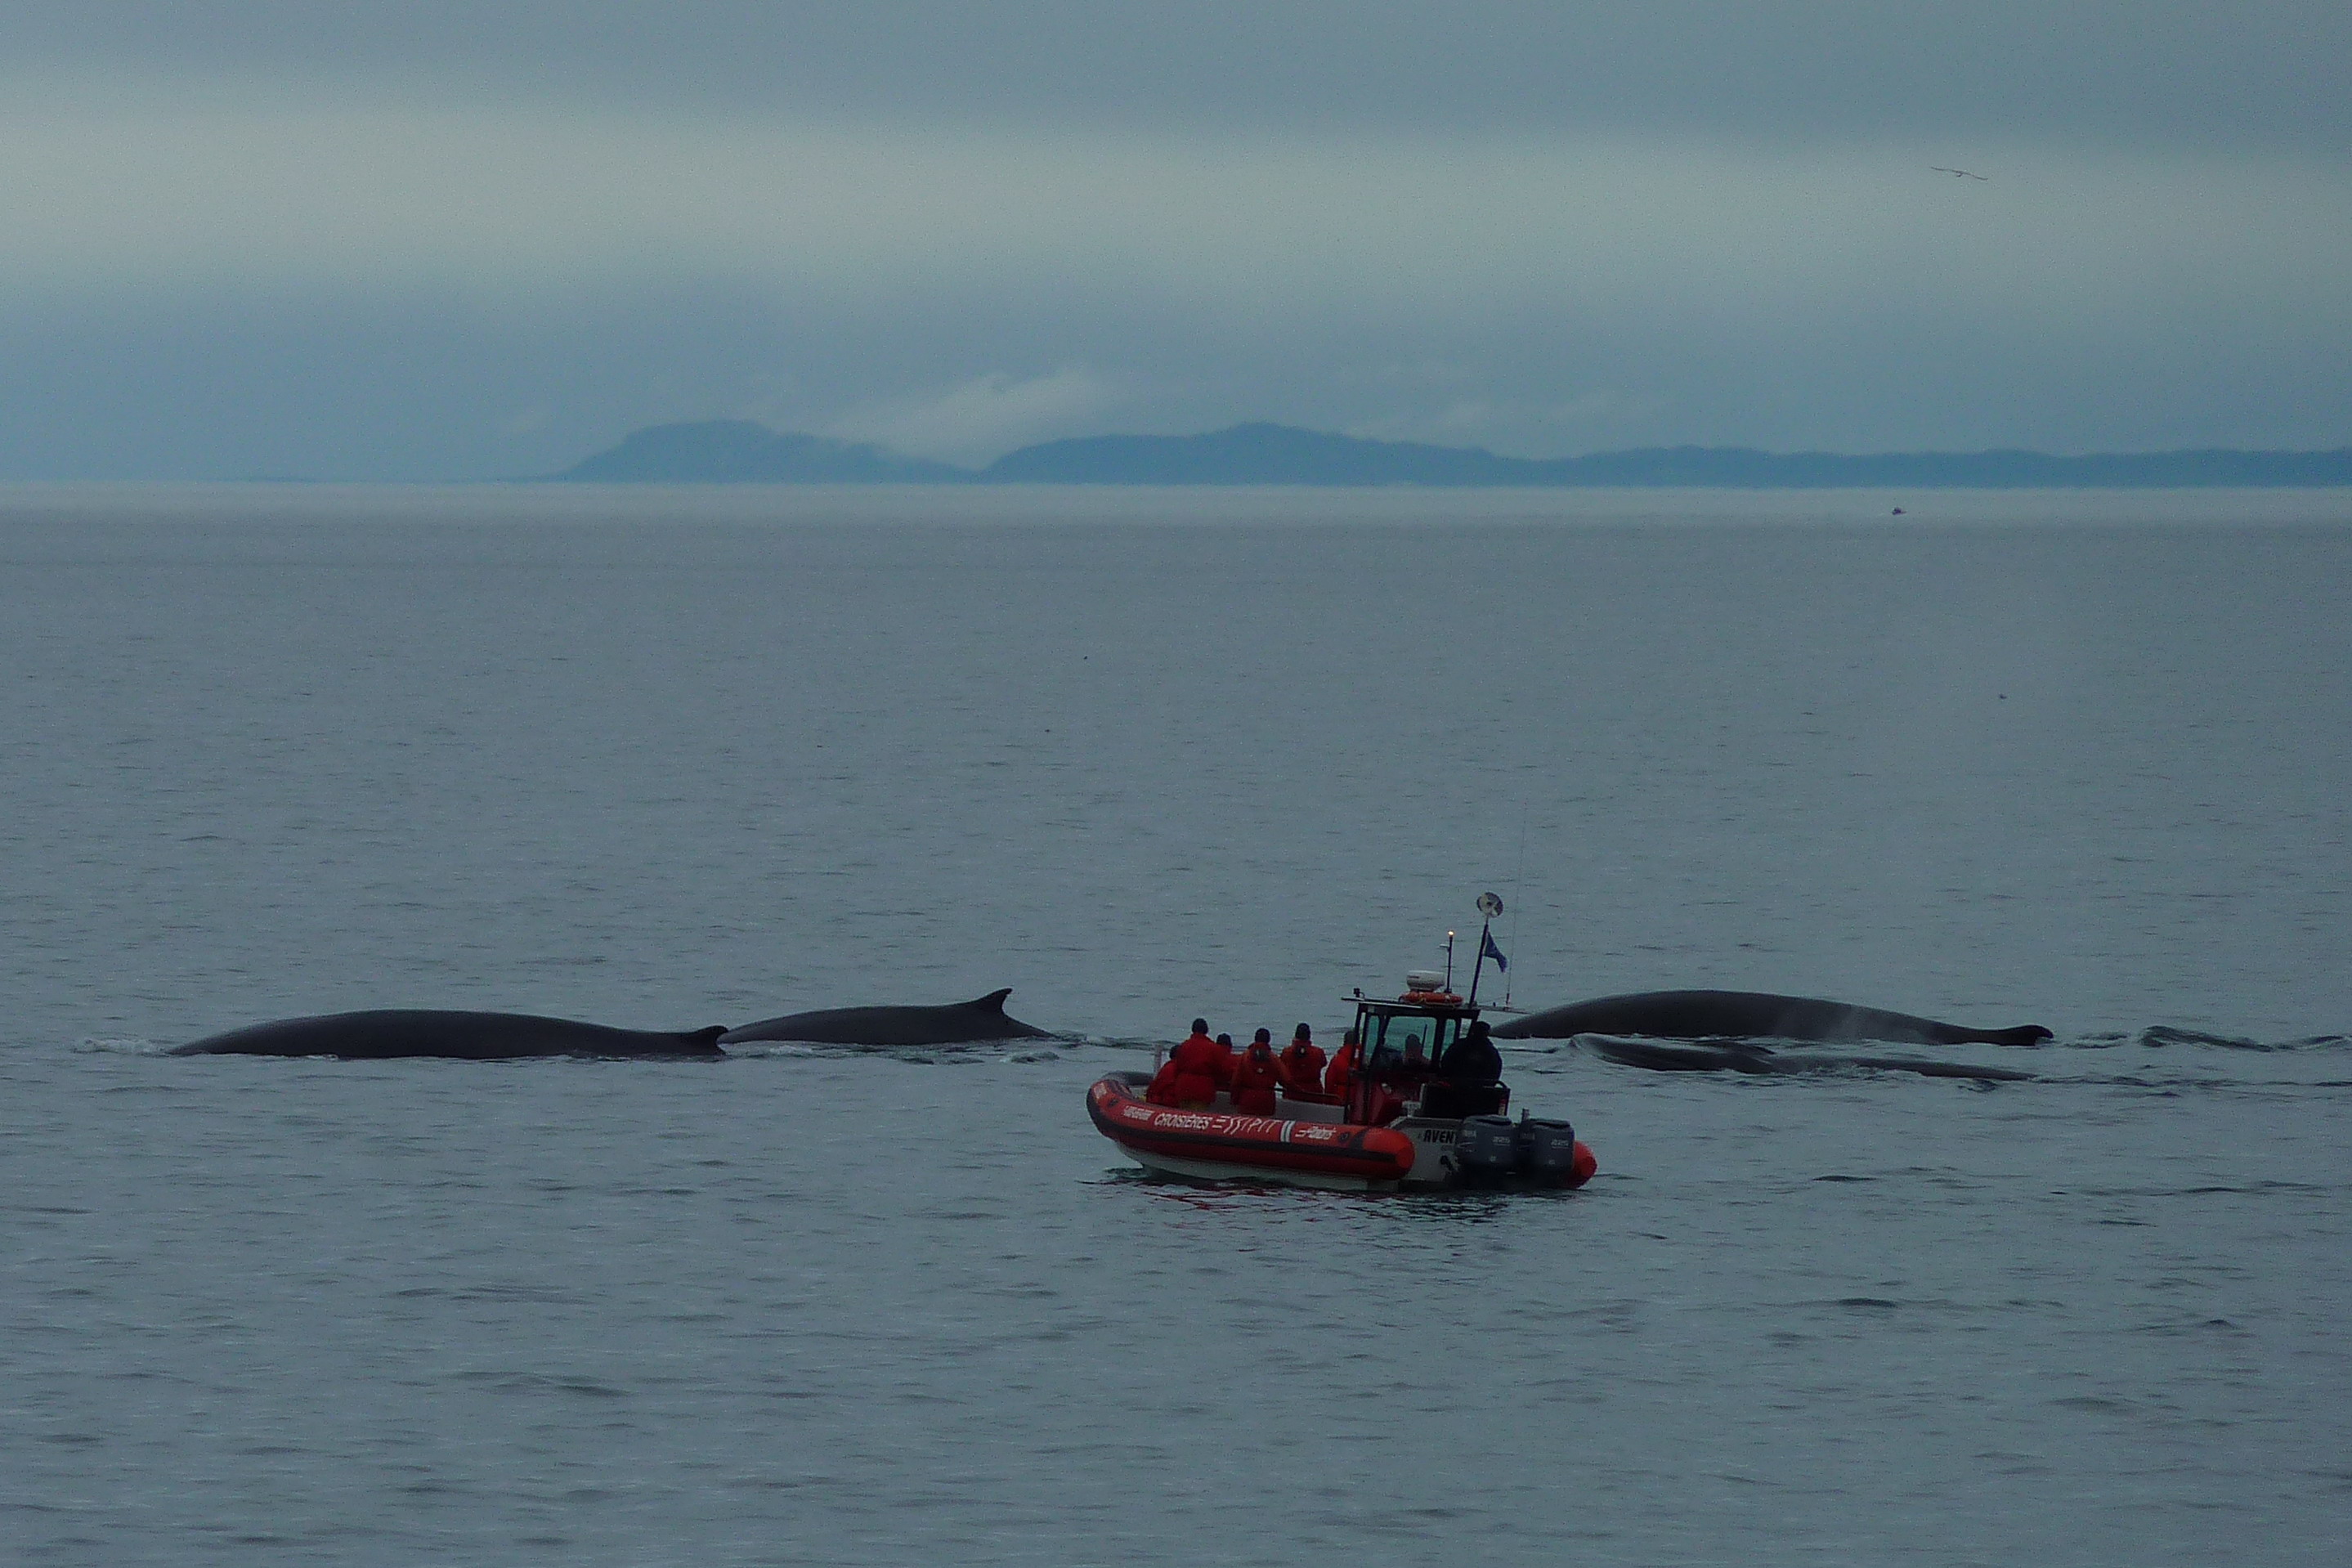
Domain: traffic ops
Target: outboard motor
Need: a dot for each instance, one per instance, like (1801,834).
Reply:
(1486,1147)
(1547,1149)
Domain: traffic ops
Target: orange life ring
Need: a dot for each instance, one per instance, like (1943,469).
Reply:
(1442,997)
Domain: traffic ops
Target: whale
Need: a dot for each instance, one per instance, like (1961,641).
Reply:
(955,1024)
(1762,1059)
(1715,1015)
(390,1033)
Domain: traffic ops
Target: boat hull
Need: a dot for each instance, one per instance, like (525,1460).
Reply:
(1163,1164)
(1234,1146)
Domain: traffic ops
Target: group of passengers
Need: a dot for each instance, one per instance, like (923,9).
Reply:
(1254,1076)
(1196,1070)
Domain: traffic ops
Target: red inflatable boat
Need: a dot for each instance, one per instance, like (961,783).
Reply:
(1379,1140)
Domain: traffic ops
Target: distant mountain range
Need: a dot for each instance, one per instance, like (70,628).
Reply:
(736,451)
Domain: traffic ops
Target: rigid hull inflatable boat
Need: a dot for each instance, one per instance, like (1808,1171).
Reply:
(1375,1136)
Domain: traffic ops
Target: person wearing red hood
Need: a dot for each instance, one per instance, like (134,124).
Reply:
(1194,1071)
(1255,1076)
(1302,1064)
(1341,1073)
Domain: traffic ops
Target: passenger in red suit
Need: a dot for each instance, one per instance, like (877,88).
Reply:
(1342,1070)
(1255,1076)
(1302,1064)
(1196,1069)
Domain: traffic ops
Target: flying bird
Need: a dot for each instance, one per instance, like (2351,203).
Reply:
(1959,173)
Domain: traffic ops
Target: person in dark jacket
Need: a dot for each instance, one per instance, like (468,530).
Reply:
(1474,1060)
(1469,1081)
(1255,1076)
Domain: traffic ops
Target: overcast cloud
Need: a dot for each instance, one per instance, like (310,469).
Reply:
(417,242)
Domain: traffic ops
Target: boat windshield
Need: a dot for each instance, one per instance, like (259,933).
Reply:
(1407,1040)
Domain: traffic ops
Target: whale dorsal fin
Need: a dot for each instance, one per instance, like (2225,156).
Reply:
(992,1003)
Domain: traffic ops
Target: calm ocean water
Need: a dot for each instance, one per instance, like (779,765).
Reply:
(670,758)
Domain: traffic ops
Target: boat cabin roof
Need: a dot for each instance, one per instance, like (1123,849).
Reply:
(1374,1007)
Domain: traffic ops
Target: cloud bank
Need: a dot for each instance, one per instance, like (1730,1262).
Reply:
(253,240)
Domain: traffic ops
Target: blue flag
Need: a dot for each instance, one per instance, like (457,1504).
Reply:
(1491,951)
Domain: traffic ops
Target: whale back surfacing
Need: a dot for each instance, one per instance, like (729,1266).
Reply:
(390,1033)
(1752,1015)
(955,1024)
(1734,1056)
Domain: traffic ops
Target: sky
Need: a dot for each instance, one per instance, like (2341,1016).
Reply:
(432,241)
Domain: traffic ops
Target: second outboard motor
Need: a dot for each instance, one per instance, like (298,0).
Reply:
(1488,1146)
(1547,1149)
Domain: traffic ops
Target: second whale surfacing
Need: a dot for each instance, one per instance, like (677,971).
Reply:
(955,1024)
(1735,1057)
(392,1033)
(1752,1015)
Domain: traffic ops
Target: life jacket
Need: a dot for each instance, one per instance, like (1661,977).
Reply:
(1254,1078)
(1200,1066)
(1302,1068)
(1163,1084)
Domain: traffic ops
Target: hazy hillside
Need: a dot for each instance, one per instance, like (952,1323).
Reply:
(735,451)
(1260,454)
